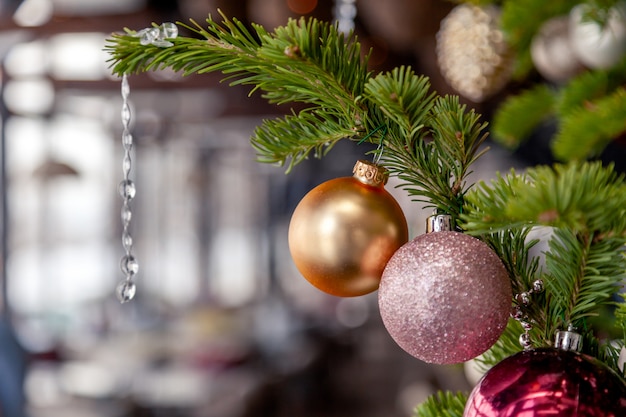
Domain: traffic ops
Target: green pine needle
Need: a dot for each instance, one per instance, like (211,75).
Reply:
(585,203)
(291,139)
(403,97)
(586,131)
(583,275)
(311,62)
(442,404)
(515,120)
(581,197)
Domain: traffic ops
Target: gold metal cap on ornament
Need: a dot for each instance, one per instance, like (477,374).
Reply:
(370,173)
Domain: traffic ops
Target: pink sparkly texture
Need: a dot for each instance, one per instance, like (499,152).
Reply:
(445,297)
(548,382)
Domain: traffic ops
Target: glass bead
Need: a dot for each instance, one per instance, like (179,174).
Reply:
(127,140)
(169,30)
(127,241)
(148,35)
(127,164)
(125,291)
(517,313)
(125,87)
(126,214)
(127,189)
(129,265)
(526,325)
(523,298)
(125,114)
(524,340)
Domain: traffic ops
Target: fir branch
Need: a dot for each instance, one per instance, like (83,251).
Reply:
(620,317)
(404,98)
(578,196)
(585,265)
(586,131)
(609,354)
(583,275)
(589,85)
(435,170)
(486,206)
(442,404)
(512,247)
(519,115)
(311,62)
(291,139)
(458,135)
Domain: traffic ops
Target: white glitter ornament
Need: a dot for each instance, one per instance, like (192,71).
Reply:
(445,297)
(472,53)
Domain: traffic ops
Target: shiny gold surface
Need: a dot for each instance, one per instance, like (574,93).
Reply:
(342,234)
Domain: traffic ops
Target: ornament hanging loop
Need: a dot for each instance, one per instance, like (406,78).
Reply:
(379,149)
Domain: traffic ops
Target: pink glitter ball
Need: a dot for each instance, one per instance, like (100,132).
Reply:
(445,297)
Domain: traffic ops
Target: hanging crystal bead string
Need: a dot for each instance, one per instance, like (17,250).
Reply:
(126,289)
(344,12)
(523,300)
(128,264)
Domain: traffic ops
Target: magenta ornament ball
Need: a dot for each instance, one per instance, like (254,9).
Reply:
(445,297)
(548,382)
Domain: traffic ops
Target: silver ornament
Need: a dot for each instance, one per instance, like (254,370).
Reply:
(552,52)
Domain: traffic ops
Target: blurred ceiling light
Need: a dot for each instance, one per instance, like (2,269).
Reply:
(33,13)
(27,59)
(34,96)
(78,56)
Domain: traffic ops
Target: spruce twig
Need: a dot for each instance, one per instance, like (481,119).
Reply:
(430,142)
(442,404)
(585,264)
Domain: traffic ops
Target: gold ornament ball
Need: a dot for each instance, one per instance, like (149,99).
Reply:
(343,232)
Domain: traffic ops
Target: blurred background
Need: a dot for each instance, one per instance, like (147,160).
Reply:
(222,325)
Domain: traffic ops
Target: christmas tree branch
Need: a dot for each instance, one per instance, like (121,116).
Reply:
(583,275)
(304,62)
(583,197)
(585,265)
(587,130)
(589,109)
(430,142)
(442,404)
(515,120)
